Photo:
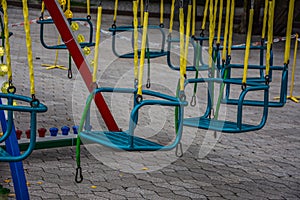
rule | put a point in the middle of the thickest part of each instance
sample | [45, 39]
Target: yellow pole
[161, 12]
[88, 8]
[211, 34]
[28, 44]
[7, 45]
[289, 32]
[115, 11]
[215, 10]
[187, 37]
[143, 48]
[270, 36]
[181, 30]
[226, 30]
[291, 97]
[172, 16]
[136, 35]
[205, 14]
[265, 20]
[142, 11]
[231, 27]
[98, 32]
[246, 59]
[220, 22]
[194, 18]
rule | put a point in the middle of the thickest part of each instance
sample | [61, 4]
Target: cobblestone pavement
[262, 164]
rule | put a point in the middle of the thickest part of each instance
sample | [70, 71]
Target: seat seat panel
[218, 125]
[119, 140]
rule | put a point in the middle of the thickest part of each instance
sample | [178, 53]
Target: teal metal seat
[197, 43]
[44, 22]
[127, 140]
[238, 81]
[152, 52]
[33, 107]
[237, 126]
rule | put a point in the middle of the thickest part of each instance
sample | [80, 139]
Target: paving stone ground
[263, 164]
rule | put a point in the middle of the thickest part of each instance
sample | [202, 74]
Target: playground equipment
[291, 96]
[151, 53]
[34, 106]
[283, 69]
[31, 105]
[210, 119]
[195, 41]
[74, 23]
[254, 46]
[127, 140]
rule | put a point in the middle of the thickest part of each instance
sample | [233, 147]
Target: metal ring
[161, 25]
[88, 17]
[139, 98]
[34, 102]
[202, 33]
[114, 25]
[244, 86]
[267, 79]
[182, 96]
[11, 89]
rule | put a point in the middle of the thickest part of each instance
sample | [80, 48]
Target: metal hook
[182, 96]
[78, 176]
[70, 74]
[146, 5]
[193, 101]
[148, 85]
[181, 3]
[252, 4]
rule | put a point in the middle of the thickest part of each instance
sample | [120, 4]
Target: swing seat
[219, 125]
[85, 21]
[34, 108]
[205, 122]
[238, 81]
[202, 66]
[126, 140]
[120, 140]
[243, 47]
[152, 53]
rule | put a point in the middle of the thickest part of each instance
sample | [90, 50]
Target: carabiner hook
[70, 74]
[193, 101]
[78, 176]
[148, 85]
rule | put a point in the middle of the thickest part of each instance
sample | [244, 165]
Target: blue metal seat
[194, 41]
[43, 22]
[126, 140]
[237, 126]
[33, 108]
[238, 81]
[152, 53]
